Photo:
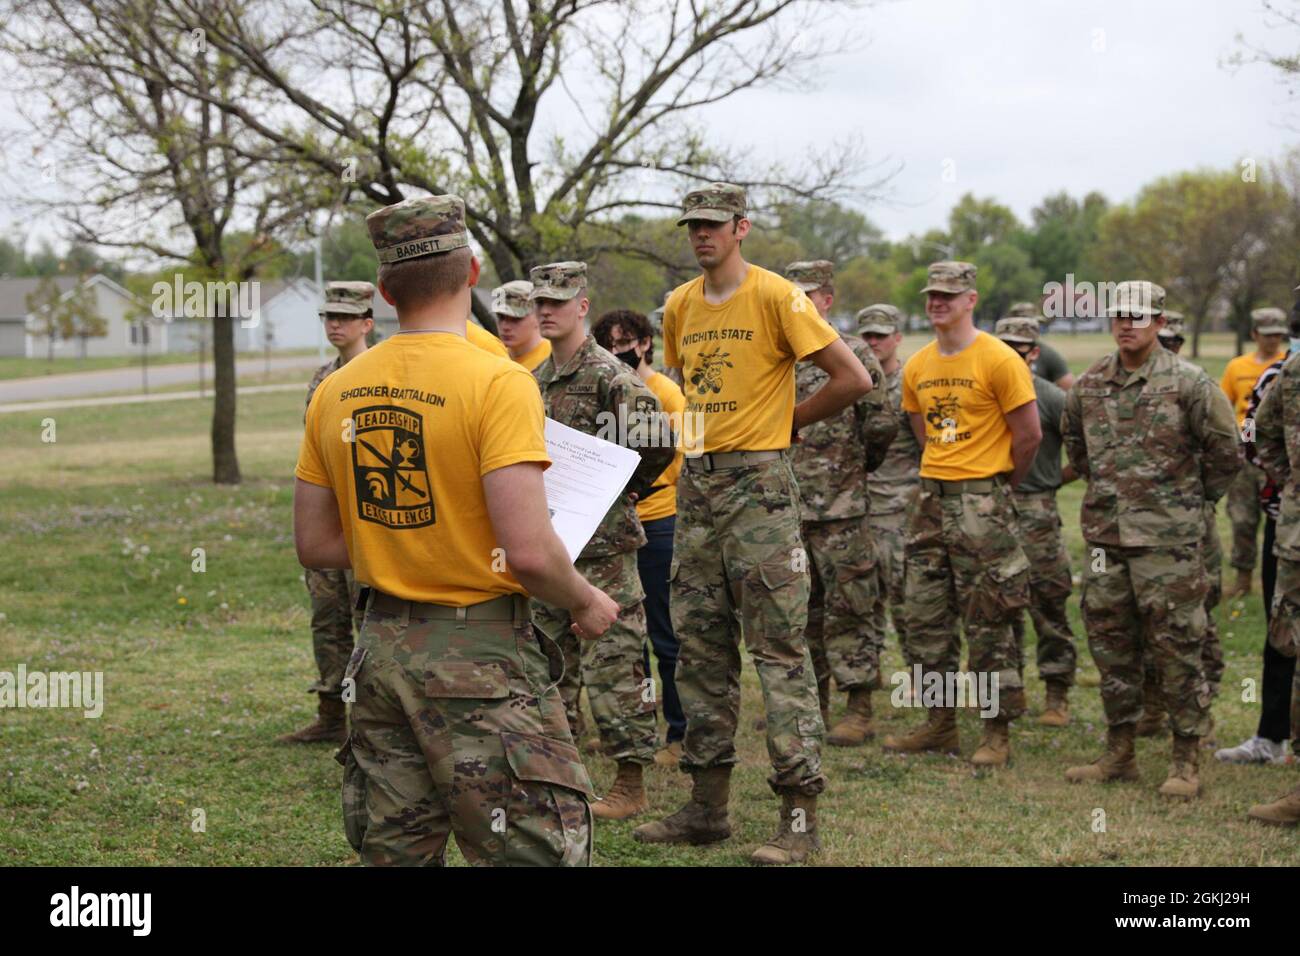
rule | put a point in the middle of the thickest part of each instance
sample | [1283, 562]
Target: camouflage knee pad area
[845, 611]
[333, 617]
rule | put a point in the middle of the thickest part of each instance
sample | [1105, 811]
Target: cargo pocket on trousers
[467, 680]
[783, 591]
[355, 815]
[860, 582]
[1000, 592]
[549, 780]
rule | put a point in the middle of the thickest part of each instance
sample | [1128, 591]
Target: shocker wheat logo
[389, 466]
[942, 417]
[708, 377]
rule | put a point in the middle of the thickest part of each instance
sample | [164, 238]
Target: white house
[112, 302]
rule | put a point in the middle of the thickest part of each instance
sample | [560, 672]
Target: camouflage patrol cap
[1173, 327]
[1137, 297]
[422, 226]
[558, 280]
[1017, 328]
[716, 202]
[811, 276]
[879, 319]
[1024, 310]
[951, 277]
[512, 299]
[1268, 321]
[347, 298]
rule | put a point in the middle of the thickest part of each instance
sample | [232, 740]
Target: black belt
[726, 460]
[978, 486]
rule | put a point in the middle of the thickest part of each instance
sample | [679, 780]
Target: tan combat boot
[669, 755]
[1056, 711]
[626, 798]
[1182, 780]
[856, 727]
[796, 833]
[939, 733]
[331, 725]
[1152, 722]
[702, 820]
[1279, 813]
[1117, 763]
[1240, 587]
[995, 747]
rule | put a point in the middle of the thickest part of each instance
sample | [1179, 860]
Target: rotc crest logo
[390, 468]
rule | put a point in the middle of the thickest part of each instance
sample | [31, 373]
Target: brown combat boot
[939, 733]
[1056, 711]
[702, 820]
[626, 798]
[1240, 587]
[1279, 813]
[1117, 763]
[331, 725]
[1182, 781]
[669, 755]
[995, 747]
[1152, 722]
[856, 726]
[796, 833]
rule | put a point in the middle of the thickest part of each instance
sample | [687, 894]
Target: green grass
[203, 670]
[11, 367]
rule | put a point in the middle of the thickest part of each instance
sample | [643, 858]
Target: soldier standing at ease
[517, 322]
[1268, 330]
[736, 332]
[421, 467]
[1050, 364]
[893, 485]
[585, 387]
[348, 316]
[1050, 583]
[1277, 445]
[1154, 439]
[845, 631]
[971, 403]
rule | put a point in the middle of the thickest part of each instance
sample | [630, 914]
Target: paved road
[106, 381]
[133, 399]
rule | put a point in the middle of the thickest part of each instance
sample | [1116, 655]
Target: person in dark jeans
[630, 337]
[1269, 743]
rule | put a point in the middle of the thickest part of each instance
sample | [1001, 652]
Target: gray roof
[14, 293]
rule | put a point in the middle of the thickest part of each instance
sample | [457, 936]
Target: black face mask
[628, 358]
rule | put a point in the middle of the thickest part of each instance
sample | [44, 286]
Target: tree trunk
[225, 462]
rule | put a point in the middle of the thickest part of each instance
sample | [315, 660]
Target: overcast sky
[1021, 98]
[1014, 93]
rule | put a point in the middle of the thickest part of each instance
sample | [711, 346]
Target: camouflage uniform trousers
[333, 615]
[457, 728]
[1245, 515]
[845, 637]
[613, 667]
[735, 574]
[1050, 585]
[965, 568]
[890, 533]
[1284, 631]
[1211, 648]
[1140, 601]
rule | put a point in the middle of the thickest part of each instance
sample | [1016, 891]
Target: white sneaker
[1254, 750]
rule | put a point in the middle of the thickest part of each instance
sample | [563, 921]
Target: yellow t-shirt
[738, 359]
[430, 415]
[477, 335]
[663, 502]
[963, 398]
[530, 360]
[1239, 377]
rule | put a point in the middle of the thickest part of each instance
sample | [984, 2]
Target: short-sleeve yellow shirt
[738, 358]
[404, 434]
[535, 356]
[964, 399]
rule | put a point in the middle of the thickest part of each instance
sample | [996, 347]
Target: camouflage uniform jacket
[895, 482]
[597, 394]
[322, 373]
[833, 456]
[1153, 444]
[1277, 448]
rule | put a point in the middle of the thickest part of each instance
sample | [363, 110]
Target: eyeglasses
[622, 345]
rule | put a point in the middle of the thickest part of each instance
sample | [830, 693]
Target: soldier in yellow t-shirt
[1268, 328]
[629, 337]
[421, 469]
[970, 399]
[517, 320]
[735, 334]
